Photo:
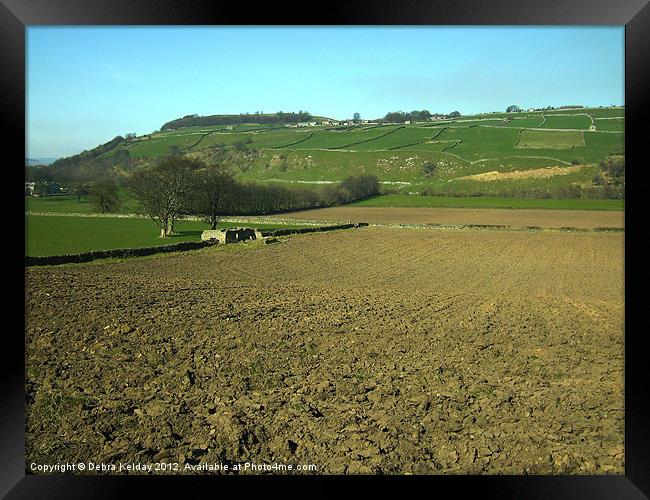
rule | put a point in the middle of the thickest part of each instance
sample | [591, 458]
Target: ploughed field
[374, 350]
[544, 218]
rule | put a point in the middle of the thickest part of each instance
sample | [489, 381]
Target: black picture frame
[15, 15]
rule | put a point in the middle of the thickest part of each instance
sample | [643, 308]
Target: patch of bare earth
[581, 219]
[373, 350]
[536, 173]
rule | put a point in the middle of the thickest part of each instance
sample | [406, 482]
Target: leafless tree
[163, 190]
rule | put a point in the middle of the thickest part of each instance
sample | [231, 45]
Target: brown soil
[372, 350]
[536, 173]
[582, 219]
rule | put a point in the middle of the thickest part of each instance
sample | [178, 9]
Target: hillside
[486, 154]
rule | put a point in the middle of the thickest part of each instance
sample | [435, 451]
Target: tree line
[415, 116]
[278, 118]
[176, 186]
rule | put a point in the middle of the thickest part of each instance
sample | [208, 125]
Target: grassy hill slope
[398, 154]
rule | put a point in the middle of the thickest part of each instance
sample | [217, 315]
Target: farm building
[231, 235]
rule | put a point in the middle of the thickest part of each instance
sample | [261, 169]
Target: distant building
[29, 188]
[407, 122]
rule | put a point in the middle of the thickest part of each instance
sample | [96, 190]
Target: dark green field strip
[418, 201]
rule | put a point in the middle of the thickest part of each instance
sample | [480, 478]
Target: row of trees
[86, 155]
[278, 118]
[415, 116]
[177, 186]
[516, 109]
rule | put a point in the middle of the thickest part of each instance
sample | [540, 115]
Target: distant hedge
[116, 253]
[204, 121]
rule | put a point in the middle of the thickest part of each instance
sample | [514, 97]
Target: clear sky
[85, 85]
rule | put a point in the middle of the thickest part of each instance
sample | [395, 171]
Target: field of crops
[373, 350]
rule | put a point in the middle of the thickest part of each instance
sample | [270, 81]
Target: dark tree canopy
[278, 118]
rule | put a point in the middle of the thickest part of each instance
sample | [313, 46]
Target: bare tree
[211, 186]
[162, 190]
[103, 193]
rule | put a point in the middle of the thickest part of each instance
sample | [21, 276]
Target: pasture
[397, 154]
[58, 235]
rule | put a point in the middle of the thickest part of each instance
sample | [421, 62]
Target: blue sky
[85, 85]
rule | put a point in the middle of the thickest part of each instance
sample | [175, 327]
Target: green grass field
[334, 139]
[69, 204]
[405, 200]
[580, 122]
[526, 121]
[57, 235]
[551, 139]
[396, 154]
[610, 124]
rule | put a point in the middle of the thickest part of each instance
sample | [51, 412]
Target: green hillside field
[398, 153]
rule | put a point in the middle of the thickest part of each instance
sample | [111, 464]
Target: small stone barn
[231, 235]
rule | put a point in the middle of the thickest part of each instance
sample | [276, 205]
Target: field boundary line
[500, 227]
[444, 150]
[421, 142]
[367, 140]
[49, 260]
[311, 134]
[197, 142]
